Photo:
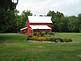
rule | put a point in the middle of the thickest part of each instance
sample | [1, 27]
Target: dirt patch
[37, 47]
[41, 42]
[79, 55]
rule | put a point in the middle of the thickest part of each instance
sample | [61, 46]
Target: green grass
[12, 37]
[14, 48]
[74, 36]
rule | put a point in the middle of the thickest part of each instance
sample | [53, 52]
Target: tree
[7, 16]
[73, 24]
[57, 20]
[62, 23]
[24, 17]
[79, 19]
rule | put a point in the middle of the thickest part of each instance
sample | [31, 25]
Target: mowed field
[13, 47]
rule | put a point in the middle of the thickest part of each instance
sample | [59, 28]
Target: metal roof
[39, 19]
[23, 28]
[40, 27]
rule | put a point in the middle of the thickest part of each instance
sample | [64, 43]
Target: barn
[37, 24]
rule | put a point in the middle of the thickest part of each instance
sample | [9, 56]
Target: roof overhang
[23, 28]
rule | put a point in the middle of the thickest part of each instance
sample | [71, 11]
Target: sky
[42, 7]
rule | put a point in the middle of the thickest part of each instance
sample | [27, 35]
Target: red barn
[37, 24]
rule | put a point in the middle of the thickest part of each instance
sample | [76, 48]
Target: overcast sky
[41, 7]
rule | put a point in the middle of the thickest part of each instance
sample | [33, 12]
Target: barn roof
[23, 28]
[40, 27]
[39, 19]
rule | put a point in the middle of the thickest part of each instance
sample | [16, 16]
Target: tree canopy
[63, 23]
[7, 16]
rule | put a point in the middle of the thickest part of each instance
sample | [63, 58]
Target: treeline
[10, 21]
[63, 23]
[60, 23]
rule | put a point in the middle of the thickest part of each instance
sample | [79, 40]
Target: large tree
[73, 24]
[62, 23]
[24, 17]
[79, 19]
[57, 18]
[7, 16]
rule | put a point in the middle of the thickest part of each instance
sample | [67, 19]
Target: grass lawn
[14, 48]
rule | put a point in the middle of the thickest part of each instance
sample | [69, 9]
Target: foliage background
[10, 21]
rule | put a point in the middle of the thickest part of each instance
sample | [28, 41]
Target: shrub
[50, 34]
[35, 34]
[29, 37]
[51, 39]
[39, 38]
[67, 40]
[46, 33]
[42, 34]
[58, 40]
[45, 38]
[39, 33]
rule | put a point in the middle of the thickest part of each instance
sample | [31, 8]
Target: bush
[35, 34]
[51, 39]
[29, 37]
[45, 38]
[51, 33]
[67, 40]
[58, 40]
[39, 38]
[39, 33]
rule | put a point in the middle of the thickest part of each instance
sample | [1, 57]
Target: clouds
[68, 7]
